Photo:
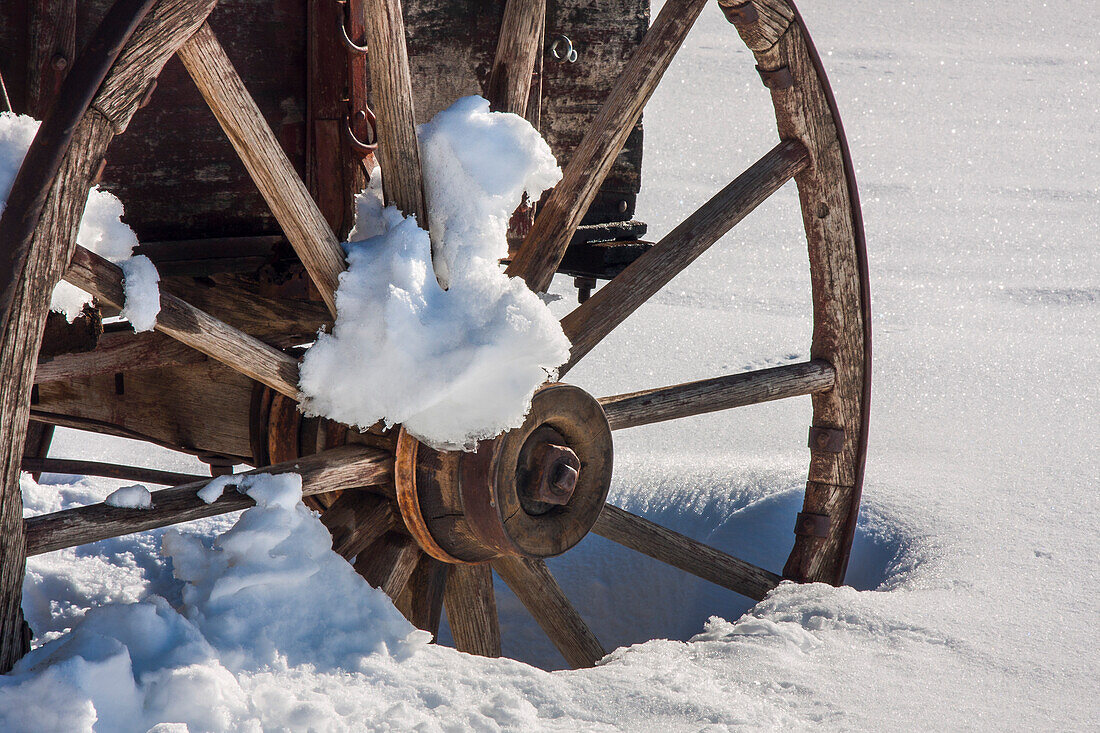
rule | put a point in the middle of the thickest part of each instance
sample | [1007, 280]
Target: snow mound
[101, 230]
[255, 593]
[453, 366]
[269, 594]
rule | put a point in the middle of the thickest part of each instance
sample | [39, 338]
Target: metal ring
[562, 49]
[358, 145]
[343, 34]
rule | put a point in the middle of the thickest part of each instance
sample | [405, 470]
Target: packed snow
[101, 230]
[974, 597]
[452, 366]
[134, 496]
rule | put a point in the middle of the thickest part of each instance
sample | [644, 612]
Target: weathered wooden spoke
[719, 393]
[472, 610]
[391, 88]
[691, 556]
[545, 244]
[356, 520]
[189, 325]
[389, 562]
[518, 46]
[259, 150]
[349, 467]
[594, 319]
[70, 467]
[421, 600]
[536, 588]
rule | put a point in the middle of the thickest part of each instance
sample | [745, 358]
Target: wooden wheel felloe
[429, 527]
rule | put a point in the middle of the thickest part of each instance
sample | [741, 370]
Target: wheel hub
[534, 491]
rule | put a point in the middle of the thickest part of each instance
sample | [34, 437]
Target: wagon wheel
[433, 524]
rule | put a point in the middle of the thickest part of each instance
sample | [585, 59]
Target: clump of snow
[130, 497]
[458, 365]
[101, 231]
[213, 490]
[140, 278]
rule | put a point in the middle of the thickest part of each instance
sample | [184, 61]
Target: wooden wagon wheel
[431, 525]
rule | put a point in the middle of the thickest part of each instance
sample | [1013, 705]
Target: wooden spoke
[684, 553]
[71, 467]
[391, 89]
[719, 393]
[536, 588]
[356, 520]
[545, 244]
[518, 47]
[472, 610]
[421, 600]
[589, 323]
[117, 353]
[289, 200]
[388, 563]
[199, 330]
[349, 467]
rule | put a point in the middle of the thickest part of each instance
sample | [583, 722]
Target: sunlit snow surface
[974, 131]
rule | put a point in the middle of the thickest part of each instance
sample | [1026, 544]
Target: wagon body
[179, 176]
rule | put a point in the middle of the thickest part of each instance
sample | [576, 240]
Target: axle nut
[557, 470]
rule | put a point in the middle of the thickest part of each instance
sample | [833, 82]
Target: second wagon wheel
[438, 524]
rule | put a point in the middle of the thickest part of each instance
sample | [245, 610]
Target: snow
[101, 230]
[140, 278]
[213, 490]
[130, 497]
[458, 365]
[974, 601]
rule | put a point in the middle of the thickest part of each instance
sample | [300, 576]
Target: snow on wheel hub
[534, 492]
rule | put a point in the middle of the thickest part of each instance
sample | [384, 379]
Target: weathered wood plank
[191, 326]
[71, 467]
[720, 393]
[673, 548]
[195, 408]
[472, 610]
[53, 50]
[348, 467]
[594, 319]
[518, 46]
[760, 22]
[391, 90]
[536, 588]
[302, 222]
[118, 352]
[545, 244]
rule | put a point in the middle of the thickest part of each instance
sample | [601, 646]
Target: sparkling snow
[975, 599]
[458, 365]
[101, 230]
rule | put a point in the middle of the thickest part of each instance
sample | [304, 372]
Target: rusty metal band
[408, 501]
[35, 178]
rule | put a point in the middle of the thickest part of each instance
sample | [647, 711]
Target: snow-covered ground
[976, 134]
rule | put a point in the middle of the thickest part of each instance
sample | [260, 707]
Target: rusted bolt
[557, 470]
[59, 62]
